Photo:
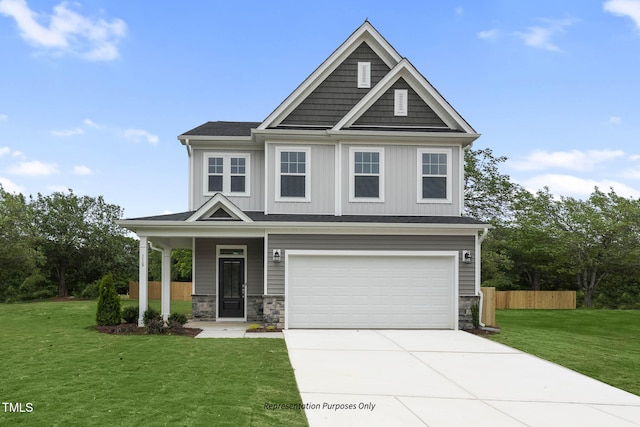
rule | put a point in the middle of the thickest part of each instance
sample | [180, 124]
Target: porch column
[165, 296]
[143, 280]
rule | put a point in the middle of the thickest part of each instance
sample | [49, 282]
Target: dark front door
[230, 292]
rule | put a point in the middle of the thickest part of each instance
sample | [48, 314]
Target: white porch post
[166, 283]
[143, 281]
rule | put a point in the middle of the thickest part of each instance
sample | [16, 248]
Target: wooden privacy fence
[180, 291]
[488, 315]
[562, 300]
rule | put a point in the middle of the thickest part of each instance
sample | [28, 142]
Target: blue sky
[94, 93]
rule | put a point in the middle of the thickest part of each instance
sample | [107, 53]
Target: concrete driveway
[443, 378]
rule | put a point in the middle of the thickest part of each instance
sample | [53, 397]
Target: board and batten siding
[275, 273]
[206, 269]
[254, 202]
[401, 183]
[322, 180]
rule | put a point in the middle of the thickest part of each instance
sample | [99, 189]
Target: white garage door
[368, 290]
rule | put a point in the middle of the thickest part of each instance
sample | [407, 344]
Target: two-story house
[342, 209]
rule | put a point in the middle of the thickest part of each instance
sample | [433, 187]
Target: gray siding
[275, 274]
[255, 202]
[206, 268]
[322, 182]
[339, 92]
[401, 184]
[381, 113]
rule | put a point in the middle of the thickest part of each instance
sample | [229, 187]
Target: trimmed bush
[475, 315]
[130, 314]
[108, 312]
[176, 319]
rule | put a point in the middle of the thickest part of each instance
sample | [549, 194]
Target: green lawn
[603, 344]
[73, 375]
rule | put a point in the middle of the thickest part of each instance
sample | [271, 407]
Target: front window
[434, 168]
[227, 174]
[293, 174]
[367, 182]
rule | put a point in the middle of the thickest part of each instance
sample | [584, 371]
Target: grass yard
[73, 375]
[603, 344]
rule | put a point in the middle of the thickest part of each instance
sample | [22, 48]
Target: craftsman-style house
[342, 209]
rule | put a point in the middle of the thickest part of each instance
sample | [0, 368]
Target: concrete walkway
[443, 378]
[228, 330]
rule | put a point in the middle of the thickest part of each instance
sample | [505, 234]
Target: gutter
[483, 236]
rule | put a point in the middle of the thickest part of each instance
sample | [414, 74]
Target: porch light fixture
[276, 255]
[466, 257]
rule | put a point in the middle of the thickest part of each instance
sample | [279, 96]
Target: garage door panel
[354, 291]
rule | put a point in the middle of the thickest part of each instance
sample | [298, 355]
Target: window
[364, 75]
[400, 102]
[292, 180]
[227, 174]
[366, 174]
[434, 175]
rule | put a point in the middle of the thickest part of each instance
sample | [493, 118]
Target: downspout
[190, 155]
[483, 236]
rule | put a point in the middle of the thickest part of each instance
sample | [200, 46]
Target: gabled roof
[209, 211]
[365, 33]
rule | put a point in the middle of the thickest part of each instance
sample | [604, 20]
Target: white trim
[461, 176]
[364, 75]
[193, 266]
[449, 176]
[266, 262]
[455, 259]
[338, 180]
[380, 174]
[404, 69]
[265, 178]
[306, 174]
[244, 257]
[226, 174]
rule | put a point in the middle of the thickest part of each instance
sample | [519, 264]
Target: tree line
[62, 244]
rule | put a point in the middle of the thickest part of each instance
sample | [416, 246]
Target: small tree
[108, 303]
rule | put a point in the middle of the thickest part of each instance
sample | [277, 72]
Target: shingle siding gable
[381, 113]
[339, 92]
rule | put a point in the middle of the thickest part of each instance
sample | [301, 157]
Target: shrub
[176, 320]
[130, 314]
[153, 321]
[108, 312]
[91, 291]
[253, 327]
[475, 315]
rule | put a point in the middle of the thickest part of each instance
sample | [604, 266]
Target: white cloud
[541, 36]
[10, 186]
[91, 123]
[34, 168]
[634, 157]
[139, 135]
[491, 34]
[614, 120]
[3, 117]
[571, 160]
[4, 151]
[67, 31]
[568, 185]
[628, 8]
[82, 170]
[67, 132]
[459, 10]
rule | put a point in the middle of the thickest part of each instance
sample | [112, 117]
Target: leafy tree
[77, 231]
[488, 194]
[108, 311]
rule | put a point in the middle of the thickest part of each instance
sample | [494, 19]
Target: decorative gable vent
[221, 214]
[364, 75]
[400, 102]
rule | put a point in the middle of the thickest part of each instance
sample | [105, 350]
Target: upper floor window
[434, 175]
[366, 174]
[292, 178]
[227, 174]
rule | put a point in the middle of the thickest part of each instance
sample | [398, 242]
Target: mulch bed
[133, 329]
[264, 330]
